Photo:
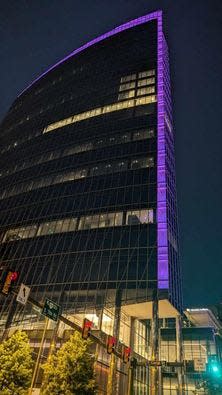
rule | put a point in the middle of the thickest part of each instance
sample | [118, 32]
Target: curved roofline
[125, 26]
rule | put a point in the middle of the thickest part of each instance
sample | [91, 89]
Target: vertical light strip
[162, 242]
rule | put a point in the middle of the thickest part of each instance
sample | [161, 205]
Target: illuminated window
[146, 73]
[147, 81]
[102, 110]
[129, 85]
[145, 100]
[146, 91]
[101, 220]
[126, 95]
[137, 217]
[89, 222]
[128, 78]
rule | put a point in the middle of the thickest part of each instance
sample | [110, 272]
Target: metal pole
[111, 387]
[155, 346]
[130, 368]
[179, 348]
[38, 357]
[53, 341]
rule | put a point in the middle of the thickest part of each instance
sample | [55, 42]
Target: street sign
[23, 294]
[51, 310]
[200, 364]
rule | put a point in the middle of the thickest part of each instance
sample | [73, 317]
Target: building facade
[88, 200]
[88, 195]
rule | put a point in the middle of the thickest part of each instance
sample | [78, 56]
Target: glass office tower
[88, 213]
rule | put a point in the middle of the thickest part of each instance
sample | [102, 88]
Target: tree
[15, 365]
[70, 370]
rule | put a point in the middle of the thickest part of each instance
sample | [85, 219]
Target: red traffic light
[86, 328]
[14, 276]
[11, 277]
[126, 351]
[111, 341]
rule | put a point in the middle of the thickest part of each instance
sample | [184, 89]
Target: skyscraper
[88, 194]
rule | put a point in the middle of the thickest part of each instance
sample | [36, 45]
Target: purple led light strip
[162, 238]
[162, 242]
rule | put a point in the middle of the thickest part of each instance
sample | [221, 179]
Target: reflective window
[143, 134]
[98, 169]
[139, 163]
[136, 217]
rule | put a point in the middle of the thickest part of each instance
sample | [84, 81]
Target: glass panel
[58, 227]
[118, 219]
[72, 225]
[146, 73]
[143, 134]
[124, 87]
[103, 221]
[142, 163]
[121, 166]
[91, 222]
[65, 225]
[128, 78]
[146, 81]
[137, 217]
[59, 179]
[43, 229]
[11, 234]
[126, 95]
[146, 91]
[108, 168]
[125, 137]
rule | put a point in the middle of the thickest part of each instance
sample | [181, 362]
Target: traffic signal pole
[111, 387]
[34, 375]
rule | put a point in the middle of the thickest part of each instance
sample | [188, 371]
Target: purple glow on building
[162, 228]
[162, 234]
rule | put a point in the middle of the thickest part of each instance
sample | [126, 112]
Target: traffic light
[126, 351]
[111, 341]
[215, 369]
[86, 329]
[10, 278]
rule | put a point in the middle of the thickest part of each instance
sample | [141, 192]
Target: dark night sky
[36, 34]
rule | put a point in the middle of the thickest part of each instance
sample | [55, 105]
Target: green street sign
[51, 310]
